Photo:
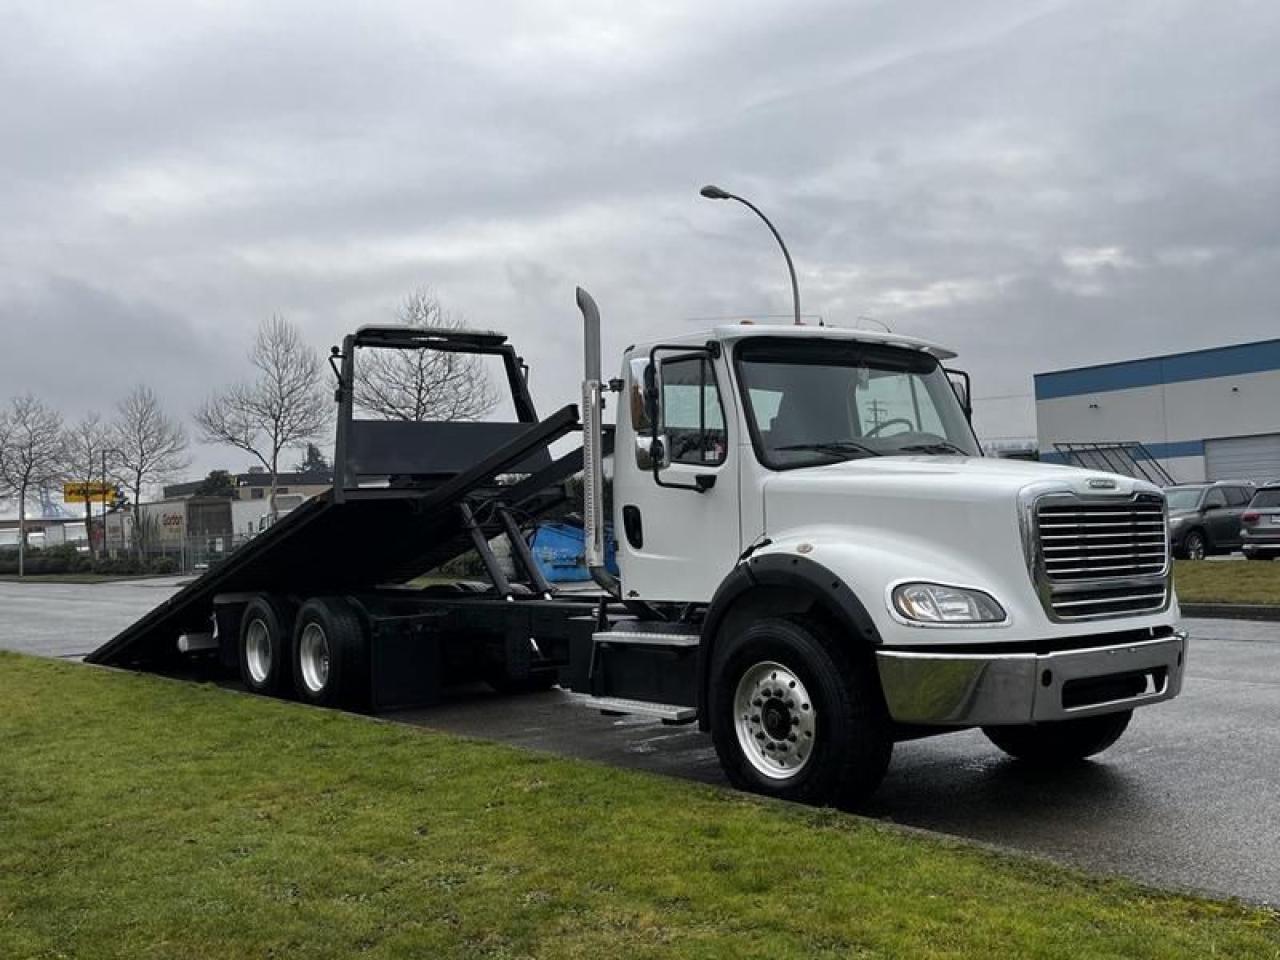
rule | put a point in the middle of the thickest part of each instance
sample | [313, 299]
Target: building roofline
[1235, 359]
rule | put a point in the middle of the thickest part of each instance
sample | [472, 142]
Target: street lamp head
[712, 192]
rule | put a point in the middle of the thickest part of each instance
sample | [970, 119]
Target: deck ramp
[347, 540]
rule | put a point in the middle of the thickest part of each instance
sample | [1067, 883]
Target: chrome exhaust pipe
[592, 445]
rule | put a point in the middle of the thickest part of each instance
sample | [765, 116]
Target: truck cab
[818, 496]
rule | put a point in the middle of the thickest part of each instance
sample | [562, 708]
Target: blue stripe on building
[1230, 361]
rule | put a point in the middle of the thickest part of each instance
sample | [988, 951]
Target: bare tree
[285, 407]
[424, 384]
[148, 447]
[33, 457]
[88, 445]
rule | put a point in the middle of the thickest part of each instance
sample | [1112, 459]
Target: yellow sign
[82, 492]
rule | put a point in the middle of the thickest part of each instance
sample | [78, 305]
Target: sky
[1035, 184]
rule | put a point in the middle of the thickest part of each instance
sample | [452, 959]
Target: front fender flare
[785, 570]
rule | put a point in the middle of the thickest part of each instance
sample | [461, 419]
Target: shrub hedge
[67, 559]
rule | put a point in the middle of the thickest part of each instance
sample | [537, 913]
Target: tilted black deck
[348, 540]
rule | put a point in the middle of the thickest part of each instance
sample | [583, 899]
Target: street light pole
[712, 192]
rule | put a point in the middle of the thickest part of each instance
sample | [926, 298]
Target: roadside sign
[84, 492]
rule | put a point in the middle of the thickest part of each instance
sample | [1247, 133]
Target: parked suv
[1260, 524]
[1204, 518]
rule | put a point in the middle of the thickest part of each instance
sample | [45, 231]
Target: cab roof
[730, 332]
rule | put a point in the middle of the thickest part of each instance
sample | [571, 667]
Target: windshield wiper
[836, 447]
[937, 446]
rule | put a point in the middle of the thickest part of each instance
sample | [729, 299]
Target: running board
[617, 706]
[647, 639]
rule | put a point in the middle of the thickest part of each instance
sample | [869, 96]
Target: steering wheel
[875, 431]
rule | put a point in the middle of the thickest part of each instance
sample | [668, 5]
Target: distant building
[45, 532]
[256, 485]
[1204, 415]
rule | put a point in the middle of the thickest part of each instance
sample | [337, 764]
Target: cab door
[676, 527]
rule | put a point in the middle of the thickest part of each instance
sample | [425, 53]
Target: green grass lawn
[142, 818]
[1227, 581]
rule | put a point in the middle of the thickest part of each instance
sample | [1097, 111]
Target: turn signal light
[1250, 517]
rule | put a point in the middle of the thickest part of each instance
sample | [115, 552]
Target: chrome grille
[1102, 559]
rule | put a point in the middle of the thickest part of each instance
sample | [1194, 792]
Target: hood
[950, 478]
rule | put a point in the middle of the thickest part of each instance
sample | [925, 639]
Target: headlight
[935, 603]
[1175, 522]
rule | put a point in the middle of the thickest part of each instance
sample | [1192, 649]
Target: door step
[618, 706]
[647, 638]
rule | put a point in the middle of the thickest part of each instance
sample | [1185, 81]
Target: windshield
[819, 401]
[1185, 498]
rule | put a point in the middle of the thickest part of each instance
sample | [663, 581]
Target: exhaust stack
[592, 445]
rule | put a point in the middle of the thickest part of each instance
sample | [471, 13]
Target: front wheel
[1061, 741]
[795, 715]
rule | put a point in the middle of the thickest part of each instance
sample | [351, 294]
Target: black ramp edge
[324, 546]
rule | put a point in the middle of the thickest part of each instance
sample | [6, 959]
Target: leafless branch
[33, 457]
[424, 384]
[147, 445]
[286, 406]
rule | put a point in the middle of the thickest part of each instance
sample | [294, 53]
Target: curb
[1232, 611]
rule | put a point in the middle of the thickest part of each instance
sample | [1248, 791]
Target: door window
[1215, 499]
[1237, 496]
[692, 415]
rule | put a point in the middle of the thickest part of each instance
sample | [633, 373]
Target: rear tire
[797, 716]
[331, 655]
[1063, 741]
[263, 646]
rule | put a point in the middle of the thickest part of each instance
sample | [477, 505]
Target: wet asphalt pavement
[1189, 798]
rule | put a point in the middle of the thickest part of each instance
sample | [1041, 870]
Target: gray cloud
[1036, 184]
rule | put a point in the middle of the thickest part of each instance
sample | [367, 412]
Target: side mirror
[963, 390]
[651, 453]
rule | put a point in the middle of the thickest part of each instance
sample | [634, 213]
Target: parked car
[1204, 518]
[1260, 524]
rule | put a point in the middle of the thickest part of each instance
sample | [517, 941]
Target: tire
[1063, 741]
[826, 696]
[1258, 556]
[331, 655]
[263, 646]
[1194, 545]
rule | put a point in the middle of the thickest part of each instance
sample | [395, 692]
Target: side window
[1237, 496]
[1214, 499]
[693, 418]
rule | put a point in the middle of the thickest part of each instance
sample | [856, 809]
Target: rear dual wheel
[265, 629]
[330, 654]
[318, 652]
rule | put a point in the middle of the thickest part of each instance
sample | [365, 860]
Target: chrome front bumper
[989, 689]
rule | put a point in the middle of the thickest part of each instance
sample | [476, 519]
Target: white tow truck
[817, 562]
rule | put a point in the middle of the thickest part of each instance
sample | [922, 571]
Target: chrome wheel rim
[257, 652]
[313, 658]
[776, 721]
[1195, 547]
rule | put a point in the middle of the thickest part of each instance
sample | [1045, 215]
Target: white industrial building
[1205, 415]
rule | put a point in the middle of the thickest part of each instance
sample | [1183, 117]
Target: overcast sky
[1036, 184]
